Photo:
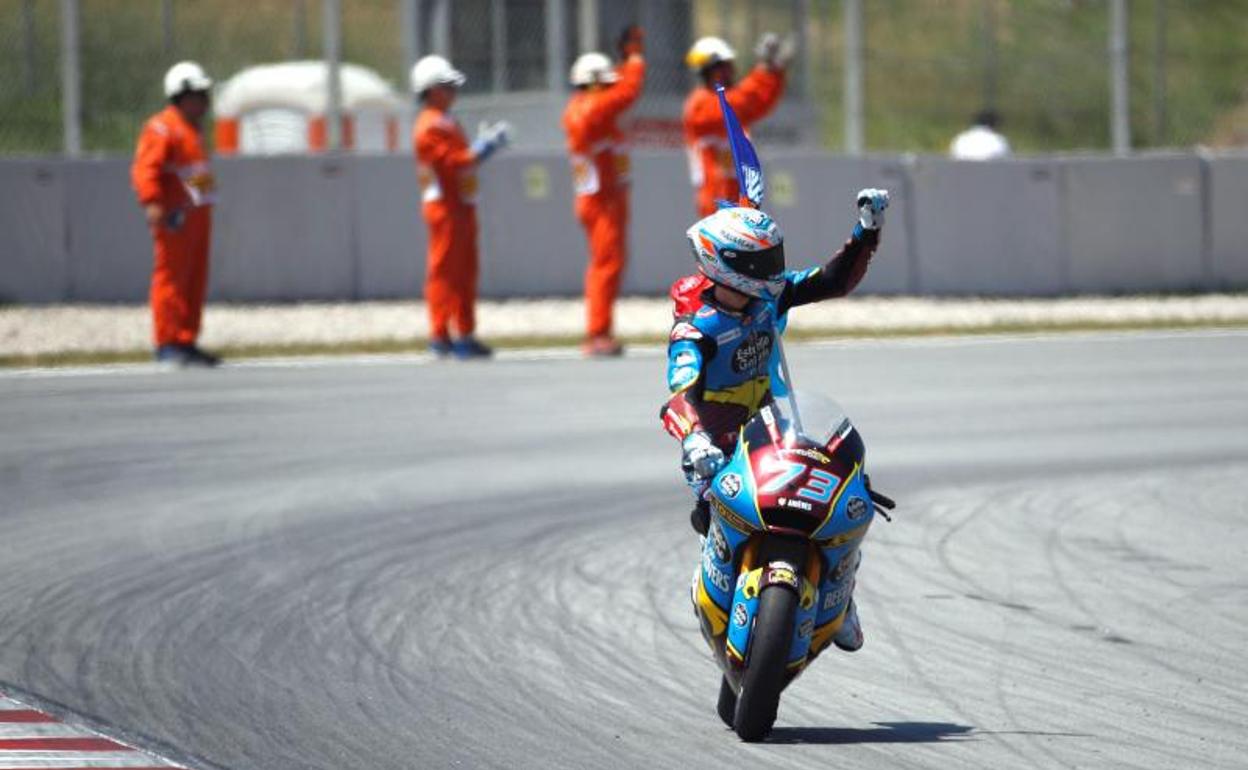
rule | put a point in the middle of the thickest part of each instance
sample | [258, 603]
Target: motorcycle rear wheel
[764, 672]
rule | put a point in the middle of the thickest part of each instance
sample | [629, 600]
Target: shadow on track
[885, 732]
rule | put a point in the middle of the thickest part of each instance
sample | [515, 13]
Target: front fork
[788, 564]
[769, 562]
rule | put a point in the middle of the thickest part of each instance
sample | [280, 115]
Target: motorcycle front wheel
[727, 706]
[764, 670]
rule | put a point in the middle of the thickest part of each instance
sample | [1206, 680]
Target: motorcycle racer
[722, 352]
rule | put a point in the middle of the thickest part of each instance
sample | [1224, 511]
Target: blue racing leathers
[721, 364]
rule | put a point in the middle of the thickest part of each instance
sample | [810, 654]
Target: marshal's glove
[871, 205]
[700, 458]
[491, 137]
[631, 41]
[775, 52]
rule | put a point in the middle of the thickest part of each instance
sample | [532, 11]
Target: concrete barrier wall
[1227, 184]
[315, 228]
[110, 253]
[1135, 226]
[989, 228]
[34, 254]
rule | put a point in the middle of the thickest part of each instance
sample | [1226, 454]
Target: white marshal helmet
[591, 68]
[707, 52]
[741, 248]
[184, 77]
[433, 71]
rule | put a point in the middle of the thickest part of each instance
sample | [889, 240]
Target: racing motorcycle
[788, 514]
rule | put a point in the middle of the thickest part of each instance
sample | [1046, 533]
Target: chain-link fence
[1044, 66]
[927, 65]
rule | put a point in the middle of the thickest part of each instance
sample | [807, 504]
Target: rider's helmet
[741, 248]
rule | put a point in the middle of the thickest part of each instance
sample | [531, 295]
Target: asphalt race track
[371, 565]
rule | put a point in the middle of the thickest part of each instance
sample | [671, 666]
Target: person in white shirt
[981, 141]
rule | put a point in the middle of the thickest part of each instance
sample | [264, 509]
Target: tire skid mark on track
[1051, 514]
[1131, 690]
[1150, 573]
[279, 592]
[1075, 678]
[911, 657]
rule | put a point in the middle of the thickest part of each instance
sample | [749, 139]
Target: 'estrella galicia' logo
[753, 353]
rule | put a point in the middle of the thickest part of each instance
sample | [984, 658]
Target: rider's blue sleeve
[684, 365]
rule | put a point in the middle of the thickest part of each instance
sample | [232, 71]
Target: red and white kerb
[31, 739]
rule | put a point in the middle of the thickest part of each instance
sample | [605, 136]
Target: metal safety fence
[871, 75]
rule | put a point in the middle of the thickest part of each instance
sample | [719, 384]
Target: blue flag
[749, 169]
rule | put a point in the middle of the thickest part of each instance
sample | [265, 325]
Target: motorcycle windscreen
[800, 419]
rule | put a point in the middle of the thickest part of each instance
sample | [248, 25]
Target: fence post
[587, 25]
[331, 22]
[1120, 107]
[28, 46]
[71, 79]
[556, 46]
[805, 61]
[853, 77]
[498, 45]
[1159, 73]
[440, 28]
[409, 34]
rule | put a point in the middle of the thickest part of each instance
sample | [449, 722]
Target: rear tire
[764, 672]
[727, 706]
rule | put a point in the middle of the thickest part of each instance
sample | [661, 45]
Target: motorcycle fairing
[714, 590]
[745, 607]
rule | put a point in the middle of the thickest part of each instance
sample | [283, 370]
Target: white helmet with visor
[741, 248]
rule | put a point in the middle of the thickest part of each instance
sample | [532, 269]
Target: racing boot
[849, 636]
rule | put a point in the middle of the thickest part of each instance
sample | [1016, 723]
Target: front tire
[764, 673]
[727, 706]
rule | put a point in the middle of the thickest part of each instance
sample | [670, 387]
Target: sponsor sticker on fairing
[719, 578]
[791, 502]
[856, 508]
[719, 543]
[778, 572]
[730, 485]
[834, 595]
[807, 626]
[740, 616]
[810, 454]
